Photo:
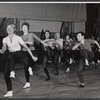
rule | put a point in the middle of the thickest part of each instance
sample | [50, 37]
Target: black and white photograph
[49, 50]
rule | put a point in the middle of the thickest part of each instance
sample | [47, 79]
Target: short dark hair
[82, 33]
[48, 32]
[27, 24]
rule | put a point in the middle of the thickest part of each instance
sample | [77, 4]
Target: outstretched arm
[58, 44]
[76, 46]
[38, 39]
[48, 40]
[25, 46]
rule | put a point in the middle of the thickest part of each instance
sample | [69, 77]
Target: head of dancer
[67, 37]
[80, 36]
[11, 29]
[25, 27]
[57, 35]
[47, 34]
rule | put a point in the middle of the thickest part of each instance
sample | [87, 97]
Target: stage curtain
[44, 11]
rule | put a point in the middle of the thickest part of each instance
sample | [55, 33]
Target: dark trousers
[3, 60]
[97, 56]
[27, 61]
[85, 54]
[12, 59]
[67, 56]
[76, 55]
[55, 58]
[52, 54]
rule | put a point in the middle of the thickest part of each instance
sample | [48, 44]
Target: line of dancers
[21, 48]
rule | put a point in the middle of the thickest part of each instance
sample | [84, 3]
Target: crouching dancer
[86, 54]
[13, 43]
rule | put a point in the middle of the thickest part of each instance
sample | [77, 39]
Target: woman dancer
[13, 43]
[27, 61]
[47, 52]
[52, 51]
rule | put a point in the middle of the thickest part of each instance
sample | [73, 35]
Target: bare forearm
[97, 44]
[30, 52]
[48, 40]
[76, 46]
[56, 43]
[3, 49]
[25, 46]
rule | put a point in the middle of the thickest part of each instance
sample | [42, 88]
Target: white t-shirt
[60, 41]
[15, 44]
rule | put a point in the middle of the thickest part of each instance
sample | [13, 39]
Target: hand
[34, 58]
[99, 50]
[1, 51]
[45, 44]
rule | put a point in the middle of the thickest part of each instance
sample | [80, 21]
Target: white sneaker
[67, 70]
[86, 62]
[12, 74]
[70, 62]
[27, 85]
[49, 61]
[30, 71]
[9, 94]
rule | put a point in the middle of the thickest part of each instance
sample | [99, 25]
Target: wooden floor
[62, 86]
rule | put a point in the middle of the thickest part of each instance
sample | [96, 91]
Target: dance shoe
[81, 86]
[47, 79]
[12, 74]
[67, 70]
[9, 94]
[30, 71]
[27, 85]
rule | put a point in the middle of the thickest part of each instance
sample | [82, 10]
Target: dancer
[47, 52]
[68, 43]
[13, 43]
[27, 61]
[58, 43]
[52, 51]
[86, 54]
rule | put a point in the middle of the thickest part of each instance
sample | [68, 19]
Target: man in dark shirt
[86, 54]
